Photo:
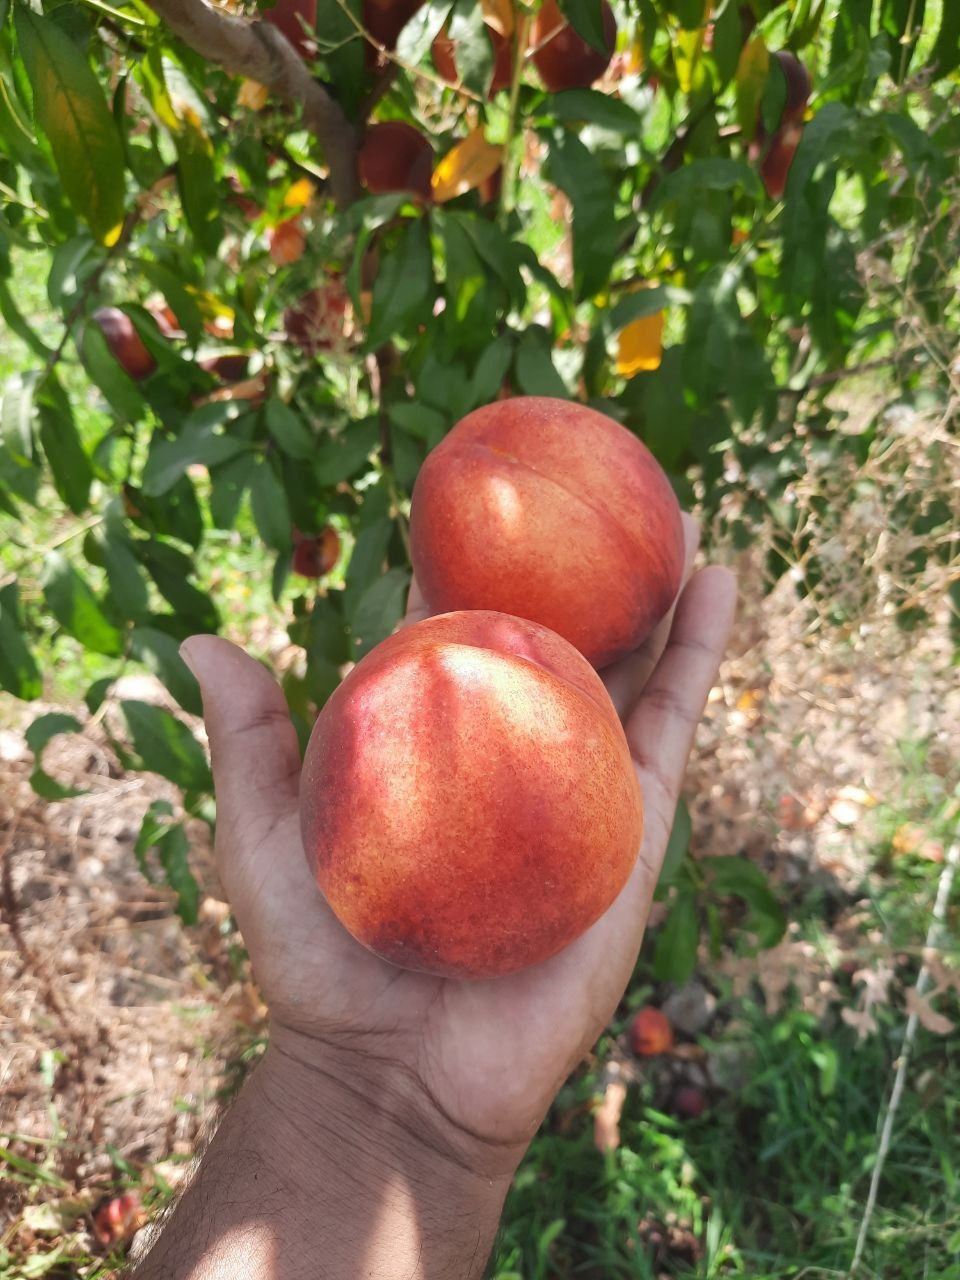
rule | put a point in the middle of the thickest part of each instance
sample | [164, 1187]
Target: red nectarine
[551, 511]
[468, 801]
[126, 345]
[563, 58]
[286, 16]
[444, 53]
[395, 156]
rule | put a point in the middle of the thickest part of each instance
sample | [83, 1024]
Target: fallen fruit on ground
[395, 156]
[296, 19]
[650, 1032]
[468, 802]
[314, 555]
[126, 345]
[563, 58]
[689, 1101]
[548, 510]
[286, 242]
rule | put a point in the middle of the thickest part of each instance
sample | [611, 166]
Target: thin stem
[521, 35]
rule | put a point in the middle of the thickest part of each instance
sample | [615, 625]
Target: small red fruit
[286, 242]
[563, 58]
[394, 156]
[118, 1218]
[775, 165]
[444, 51]
[229, 368]
[126, 345]
[651, 1033]
[315, 556]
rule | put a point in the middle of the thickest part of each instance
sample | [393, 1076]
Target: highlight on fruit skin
[125, 344]
[562, 57]
[549, 510]
[395, 156]
[469, 806]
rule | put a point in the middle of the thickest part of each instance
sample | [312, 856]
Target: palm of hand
[489, 1054]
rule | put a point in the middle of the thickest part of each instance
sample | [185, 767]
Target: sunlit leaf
[252, 95]
[465, 166]
[751, 76]
[640, 345]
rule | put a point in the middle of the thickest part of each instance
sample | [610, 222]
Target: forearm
[304, 1180]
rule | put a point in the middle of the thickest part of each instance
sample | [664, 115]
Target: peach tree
[285, 249]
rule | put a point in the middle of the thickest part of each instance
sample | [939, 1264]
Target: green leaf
[71, 468]
[744, 879]
[474, 50]
[713, 173]
[160, 653]
[202, 440]
[72, 111]
[403, 287]
[173, 847]
[125, 582]
[677, 845]
[196, 178]
[268, 502]
[420, 421]
[38, 735]
[119, 390]
[489, 373]
[580, 174]
[644, 302]
[675, 954]
[534, 368]
[228, 482]
[18, 325]
[70, 266]
[76, 608]
[170, 570]
[342, 455]
[366, 562]
[586, 18]
[289, 429]
[166, 746]
[590, 106]
[421, 31]
[753, 69]
[16, 418]
[379, 609]
[19, 674]
[945, 55]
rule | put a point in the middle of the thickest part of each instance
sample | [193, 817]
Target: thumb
[253, 745]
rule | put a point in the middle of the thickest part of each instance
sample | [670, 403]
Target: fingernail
[187, 659]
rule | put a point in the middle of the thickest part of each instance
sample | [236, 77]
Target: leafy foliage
[238, 352]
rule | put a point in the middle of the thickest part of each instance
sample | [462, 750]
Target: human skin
[379, 1134]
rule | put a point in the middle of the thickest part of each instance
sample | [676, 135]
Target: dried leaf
[751, 77]
[606, 1117]
[945, 977]
[465, 167]
[927, 1016]
[862, 1020]
[912, 838]
[499, 15]
[640, 345]
[252, 95]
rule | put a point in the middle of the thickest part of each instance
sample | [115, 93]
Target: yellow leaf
[299, 195]
[252, 95]
[464, 167]
[687, 50]
[640, 345]
[751, 78]
[499, 15]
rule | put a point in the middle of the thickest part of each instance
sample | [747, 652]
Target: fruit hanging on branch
[125, 344]
[314, 555]
[551, 511]
[563, 58]
[468, 802]
[384, 20]
[444, 54]
[395, 156]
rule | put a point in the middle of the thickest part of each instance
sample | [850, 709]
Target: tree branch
[258, 50]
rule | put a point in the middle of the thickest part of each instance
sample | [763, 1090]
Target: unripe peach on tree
[468, 802]
[548, 510]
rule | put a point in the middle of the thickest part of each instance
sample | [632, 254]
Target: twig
[519, 57]
[258, 51]
[837, 375]
[944, 887]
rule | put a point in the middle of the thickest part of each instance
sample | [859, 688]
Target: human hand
[379, 1135]
[480, 1061]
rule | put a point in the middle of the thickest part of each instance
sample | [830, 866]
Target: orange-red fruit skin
[468, 802]
[550, 511]
[651, 1033]
[563, 58]
[395, 156]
